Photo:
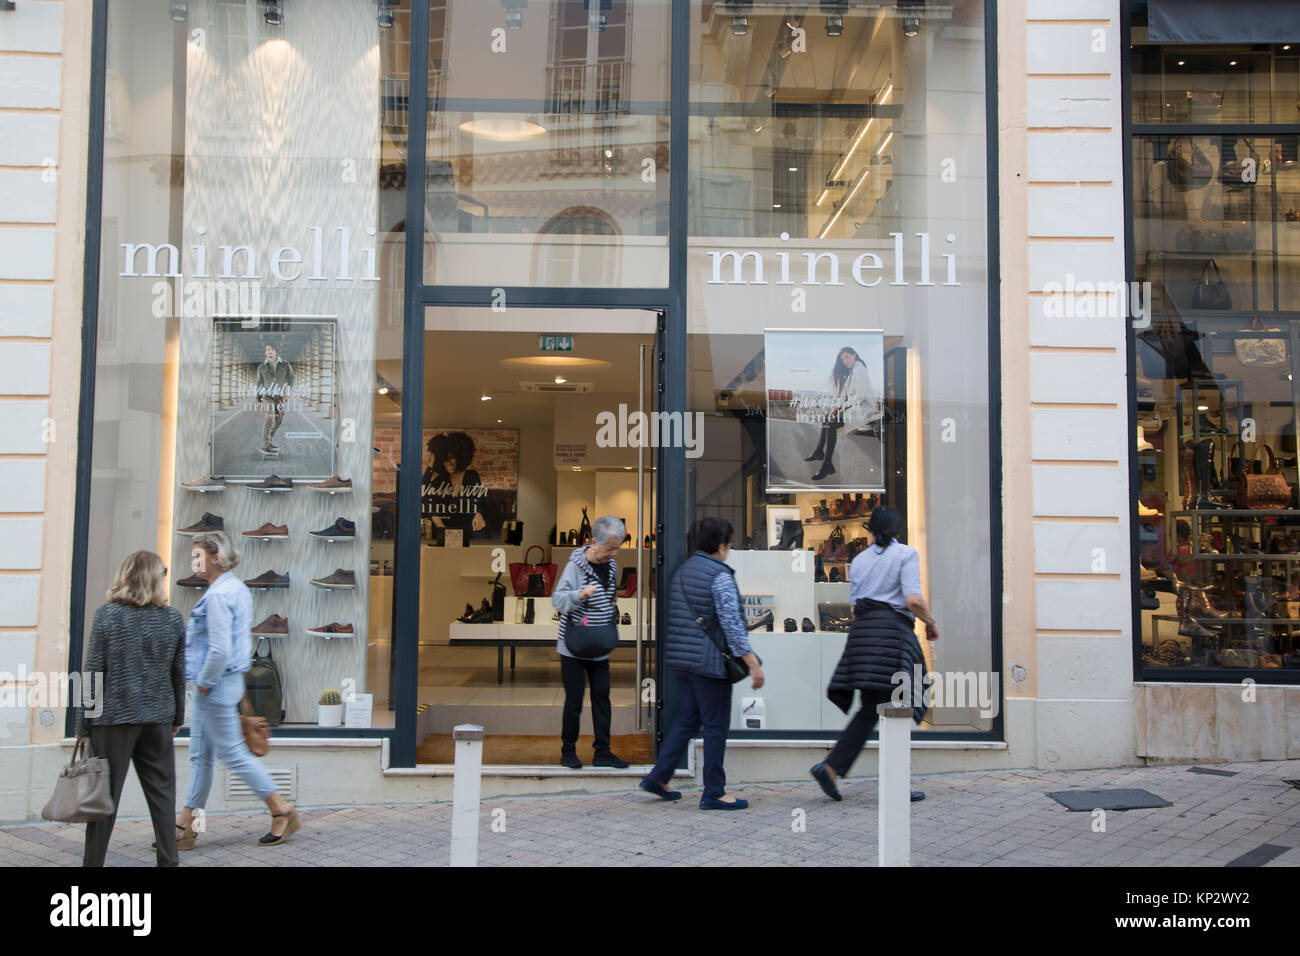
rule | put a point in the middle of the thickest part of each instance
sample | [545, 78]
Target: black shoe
[571, 761]
[791, 625]
[821, 773]
[609, 759]
[468, 616]
[808, 626]
[709, 803]
[815, 456]
[766, 622]
[918, 796]
[627, 619]
[827, 470]
[662, 792]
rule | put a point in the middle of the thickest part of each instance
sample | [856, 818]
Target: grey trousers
[149, 746]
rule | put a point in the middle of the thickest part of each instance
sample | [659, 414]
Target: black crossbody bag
[736, 669]
[587, 641]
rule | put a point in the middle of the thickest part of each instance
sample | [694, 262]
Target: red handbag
[532, 580]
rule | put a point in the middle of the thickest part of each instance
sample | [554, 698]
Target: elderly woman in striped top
[588, 584]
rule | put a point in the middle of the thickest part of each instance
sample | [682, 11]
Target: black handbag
[587, 641]
[1211, 293]
[734, 667]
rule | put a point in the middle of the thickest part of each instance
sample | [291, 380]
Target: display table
[503, 635]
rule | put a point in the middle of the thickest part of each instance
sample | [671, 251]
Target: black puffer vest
[686, 645]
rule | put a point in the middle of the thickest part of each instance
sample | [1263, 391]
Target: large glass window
[250, 333]
[548, 144]
[838, 327]
[1216, 233]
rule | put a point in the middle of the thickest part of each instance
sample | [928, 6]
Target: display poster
[824, 410]
[274, 397]
[470, 481]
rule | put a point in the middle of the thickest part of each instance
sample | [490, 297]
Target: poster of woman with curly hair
[824, 410]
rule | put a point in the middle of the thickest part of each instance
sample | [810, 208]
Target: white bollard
[894, 826]
[466, 791]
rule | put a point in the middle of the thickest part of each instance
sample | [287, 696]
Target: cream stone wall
[44, 76]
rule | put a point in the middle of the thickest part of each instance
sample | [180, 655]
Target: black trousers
[150, 747]
[854, 737]
[577, 674]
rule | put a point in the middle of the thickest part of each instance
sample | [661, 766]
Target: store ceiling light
[560, 380]
[739, 25]
[485, 397]
[385, 15]
[1232, 63]
[834, 25]
[1182, 62]
[180, 12]
[274, 13]
[502, 129]
[793, 169]
[911, 26]
[884, 142]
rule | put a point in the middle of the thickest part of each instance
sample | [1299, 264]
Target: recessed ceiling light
[1286, 46]
[776, 205]
[1202, 408]
[502, 129]
[1232, 63]
[485, 397]
[576, 468]
[1182, 62]
[627, 467]
[793, 169]
[383, 389]
[560, 380]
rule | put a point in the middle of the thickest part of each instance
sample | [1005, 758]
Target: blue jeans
[706, 701]
[215, 732]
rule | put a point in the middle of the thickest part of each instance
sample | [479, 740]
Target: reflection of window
[577, 247]
[587, 75]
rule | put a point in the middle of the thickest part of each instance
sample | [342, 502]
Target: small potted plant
[329, 710]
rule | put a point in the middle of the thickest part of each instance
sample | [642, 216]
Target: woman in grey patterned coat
[137, 644]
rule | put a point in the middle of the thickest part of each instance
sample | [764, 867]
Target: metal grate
[286, 781]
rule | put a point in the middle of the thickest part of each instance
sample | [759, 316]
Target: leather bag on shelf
[532, 580]
[1263, 487]
[1169, 350]
[1260, 352]
[1189, 167]
[83, 791]
[264, 687]
[1211, 293]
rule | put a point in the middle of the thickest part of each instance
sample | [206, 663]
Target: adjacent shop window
[535, 110]
[250, 324]
[1216, 231]
[838, 327]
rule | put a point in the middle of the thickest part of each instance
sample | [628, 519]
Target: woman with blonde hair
[137, 644]
[218, 651]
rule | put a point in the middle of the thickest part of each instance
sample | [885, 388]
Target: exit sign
[556, 343]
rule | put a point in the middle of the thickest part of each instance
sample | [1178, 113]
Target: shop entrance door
[536, 423]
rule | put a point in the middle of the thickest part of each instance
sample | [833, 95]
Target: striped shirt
[141, 653]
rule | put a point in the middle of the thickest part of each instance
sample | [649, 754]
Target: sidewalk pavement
[972, 819]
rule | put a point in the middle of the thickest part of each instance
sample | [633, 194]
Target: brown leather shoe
[272, 483]
[333, 485]
[273, 626]
[340, 580]
[269, 579]
[331, 630]
[269, 530]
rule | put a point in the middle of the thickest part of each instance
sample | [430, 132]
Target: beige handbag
[83, 792]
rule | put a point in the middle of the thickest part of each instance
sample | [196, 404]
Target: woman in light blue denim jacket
[218, 650]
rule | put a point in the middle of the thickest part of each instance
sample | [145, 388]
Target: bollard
[894, 804]
[466, 789]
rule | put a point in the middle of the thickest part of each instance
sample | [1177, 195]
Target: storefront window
[838, 327]
[250, 334]
[1216, 233]
[548, 144]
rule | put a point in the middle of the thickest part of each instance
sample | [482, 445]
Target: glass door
[537, 424]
